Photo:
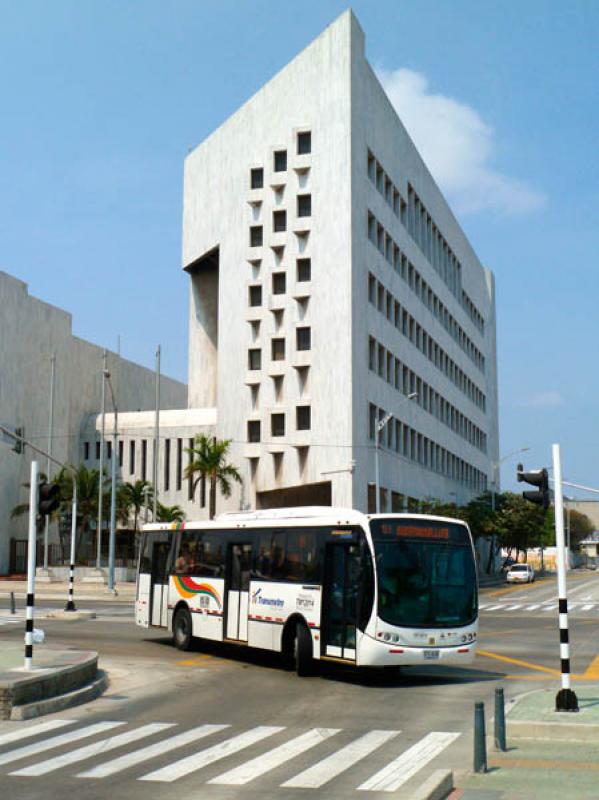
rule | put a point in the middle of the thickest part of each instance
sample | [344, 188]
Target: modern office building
[331, 285]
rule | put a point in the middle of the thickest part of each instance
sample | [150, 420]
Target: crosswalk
[574, 608]
[12, 619]
[372, 761]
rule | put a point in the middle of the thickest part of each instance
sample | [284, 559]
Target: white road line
[57, 741]
[495, 608]
[552, 607]
[338, 762]
[409, 763]
[205, 757]
[152, 751]
[34, 730]
[274, 758]
[513, 608]
[588, 607]
[533, 608]
[91, 750]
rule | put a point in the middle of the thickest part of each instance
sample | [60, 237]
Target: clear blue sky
[101, 100]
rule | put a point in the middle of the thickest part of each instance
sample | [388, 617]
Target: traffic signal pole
[33, 493]
[566, 699]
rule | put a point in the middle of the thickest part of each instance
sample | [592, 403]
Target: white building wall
[30, 331]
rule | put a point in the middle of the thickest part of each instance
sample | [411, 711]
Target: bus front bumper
[386, 654]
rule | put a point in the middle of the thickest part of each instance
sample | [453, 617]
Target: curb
[557, 731]
[62, 701]
[436, 787]
[70, 615]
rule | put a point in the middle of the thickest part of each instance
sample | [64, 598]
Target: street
[224, 721]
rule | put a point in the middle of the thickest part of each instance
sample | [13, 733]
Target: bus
[380, 590]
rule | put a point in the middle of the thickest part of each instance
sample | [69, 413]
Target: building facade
[31, 331]
[331, 285]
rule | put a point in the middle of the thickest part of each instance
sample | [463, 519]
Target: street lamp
[101, 469]
[377, 432]
[495, 466]
[111, 540]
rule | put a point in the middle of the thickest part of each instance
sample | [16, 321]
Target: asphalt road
[326, 736]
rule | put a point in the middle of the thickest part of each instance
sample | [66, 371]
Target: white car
[520, 573]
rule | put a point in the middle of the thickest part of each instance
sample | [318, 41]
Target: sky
[101, 100]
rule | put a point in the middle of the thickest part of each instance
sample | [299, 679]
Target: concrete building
[31, 331]
[331, 285]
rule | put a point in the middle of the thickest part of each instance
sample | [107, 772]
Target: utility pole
[101, 468]
[50, 431]
[111, 541]
[156, 436]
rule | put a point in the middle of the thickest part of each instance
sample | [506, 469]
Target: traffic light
[48, 498]
[537, 477]
[19, 445]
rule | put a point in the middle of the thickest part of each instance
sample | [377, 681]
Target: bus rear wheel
[302, 651]
[182, 629]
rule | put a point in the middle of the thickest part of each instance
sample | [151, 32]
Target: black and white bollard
[70, 606]
[500, 721]
[480, 740]
[33, 499]
[565, 699]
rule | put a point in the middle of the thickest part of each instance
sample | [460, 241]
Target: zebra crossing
[541, 607]
[12, 619]
[175, 755]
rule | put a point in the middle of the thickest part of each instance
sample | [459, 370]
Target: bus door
[159, 582]
[237, 591]
[340, 599]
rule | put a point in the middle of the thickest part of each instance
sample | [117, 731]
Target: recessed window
[304, 338]
[86, 451]
[303, 418]
[279, 283]
[278, 349]
[279, 221]
[304, 205]
[255, 358]
[277, 424]
[280, 160]
[97, 451]
[257, 178]
[304, 269]
[254, 430]
[255, 295]
[304, 143]
[256, 236]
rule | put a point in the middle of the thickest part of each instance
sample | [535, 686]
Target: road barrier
[500, 721]
[480, 738]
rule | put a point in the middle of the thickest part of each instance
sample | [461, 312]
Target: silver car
[520, 573]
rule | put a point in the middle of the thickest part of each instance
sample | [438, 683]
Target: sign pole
[33, 498]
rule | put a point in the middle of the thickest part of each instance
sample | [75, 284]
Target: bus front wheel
[182, 629]
[302, 651]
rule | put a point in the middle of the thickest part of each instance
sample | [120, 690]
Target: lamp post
[112, 535]
[495, 467]
[101, 468]
[377, 433]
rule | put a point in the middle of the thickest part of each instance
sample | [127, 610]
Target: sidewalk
[550, 755]
[125, 592]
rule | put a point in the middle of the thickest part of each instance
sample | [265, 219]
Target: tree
[88, 485]
[580, 527]
[133, 497]
[209, 461]
[169, 513]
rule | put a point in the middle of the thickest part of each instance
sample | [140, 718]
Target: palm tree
[133, 497]
[209, 461]
[23, 508]
[169, 513]
[88, 484]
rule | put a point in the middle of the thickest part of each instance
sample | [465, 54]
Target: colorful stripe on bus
[187, 587]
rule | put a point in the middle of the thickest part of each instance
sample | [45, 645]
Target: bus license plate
[430, 655]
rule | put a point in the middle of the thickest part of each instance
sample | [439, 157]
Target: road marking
[513, 608]
[274, 758]
[588, 607]
[509, 589]
[409, 763]
[552, 607]
[591, 673]
[338, 762]
[495, 608]
[34, 730]
[56, 741]
[205, 757]
[153, 750]
[533, 607]
[91, 750]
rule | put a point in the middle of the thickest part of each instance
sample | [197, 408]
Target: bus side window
[302, 556]
[145, 563]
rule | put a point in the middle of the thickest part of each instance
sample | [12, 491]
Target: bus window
[145, 564]
[302, 556]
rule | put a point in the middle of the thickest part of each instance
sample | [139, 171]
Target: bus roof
[318, 515]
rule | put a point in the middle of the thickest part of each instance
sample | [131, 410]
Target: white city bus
[315, 583]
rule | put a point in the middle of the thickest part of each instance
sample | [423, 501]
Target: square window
[255, 358]
[278, 349]
[304, 269]
[280, 161]
[304, 143]
[279, 283]
[255, 295]
[304, 205]
[257, 178]
[277, 424]
[279, 221]
[303, 421]
[256, 236]
[254, 430]
[304, 338]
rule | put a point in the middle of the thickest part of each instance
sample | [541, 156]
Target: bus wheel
[302, 651]
[182, 629]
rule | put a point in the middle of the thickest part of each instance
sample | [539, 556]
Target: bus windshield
[425, 572]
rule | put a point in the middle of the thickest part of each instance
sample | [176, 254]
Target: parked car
[520, 573]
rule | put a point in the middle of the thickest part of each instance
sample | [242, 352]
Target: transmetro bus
[378, 590]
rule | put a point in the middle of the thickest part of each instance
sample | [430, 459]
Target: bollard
[480, 743]
[13, 608]
[500, 721]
